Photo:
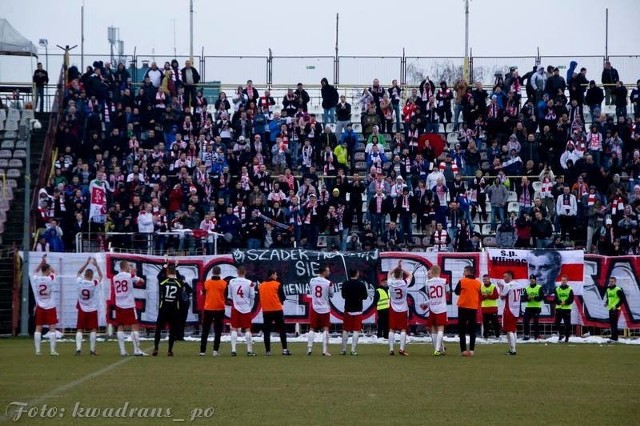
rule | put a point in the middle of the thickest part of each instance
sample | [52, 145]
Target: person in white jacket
[145, 220]
[570, 153]
[539, 82]
[566, 209]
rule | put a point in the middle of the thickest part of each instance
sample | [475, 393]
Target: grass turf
[554, 384]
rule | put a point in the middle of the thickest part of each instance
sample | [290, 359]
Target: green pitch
[554, 384]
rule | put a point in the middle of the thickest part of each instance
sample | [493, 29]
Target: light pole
[26, 235]
[45, 43]
[465, 70]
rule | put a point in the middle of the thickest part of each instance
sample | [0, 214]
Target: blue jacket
[572, 68]
[350, 139]
[274, 129]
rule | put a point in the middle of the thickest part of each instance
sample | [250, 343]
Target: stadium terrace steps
[14, 227]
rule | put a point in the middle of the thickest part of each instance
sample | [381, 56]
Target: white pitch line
[53, 393]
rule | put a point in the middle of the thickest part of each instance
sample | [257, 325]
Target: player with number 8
[87, 304]
[319, 316]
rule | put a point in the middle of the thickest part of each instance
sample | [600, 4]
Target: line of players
[472, 295]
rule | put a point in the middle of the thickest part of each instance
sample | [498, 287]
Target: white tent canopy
[14, 43]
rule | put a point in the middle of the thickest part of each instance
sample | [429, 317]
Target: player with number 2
[44, 282]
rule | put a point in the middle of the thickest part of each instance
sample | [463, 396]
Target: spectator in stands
[329, 101]
[498, 196]
[619, 94]
[301, 97]
[609, 80]
[154, 74]
[634, 98]
[40, 79]
[190, 79]
[395, 94]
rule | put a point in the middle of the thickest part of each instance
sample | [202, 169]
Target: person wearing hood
[594, 99]
[570, 153]
[571, 70]
[329, 101]
[539, 82]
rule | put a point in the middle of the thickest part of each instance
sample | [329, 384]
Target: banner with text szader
[589, 284]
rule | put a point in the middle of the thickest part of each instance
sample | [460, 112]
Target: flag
[98, 206]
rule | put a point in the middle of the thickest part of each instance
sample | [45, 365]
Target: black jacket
[329, 96]
[595, 96]
[353, 292]
[610, 76]
[194, 73]
[40, 77]
[343, 112]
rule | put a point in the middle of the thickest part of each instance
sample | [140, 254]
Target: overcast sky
[373, 27]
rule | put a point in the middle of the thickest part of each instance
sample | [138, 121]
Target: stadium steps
[14, 227]
[6, 288]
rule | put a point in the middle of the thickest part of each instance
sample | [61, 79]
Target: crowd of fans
[253, 171]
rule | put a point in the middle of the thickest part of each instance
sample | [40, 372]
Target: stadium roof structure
[13, 43]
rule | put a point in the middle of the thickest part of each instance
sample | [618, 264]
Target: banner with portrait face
[587, 275]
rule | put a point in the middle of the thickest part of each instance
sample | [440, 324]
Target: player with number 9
[87, 304]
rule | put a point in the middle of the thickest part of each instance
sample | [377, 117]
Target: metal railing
[271, 69]
[179, 242]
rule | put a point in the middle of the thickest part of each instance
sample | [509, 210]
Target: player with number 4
[398, 281]
[44, 282]
[125, 306]
[87, 304]
[437, 293]
[242, 293]
[319, 316]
